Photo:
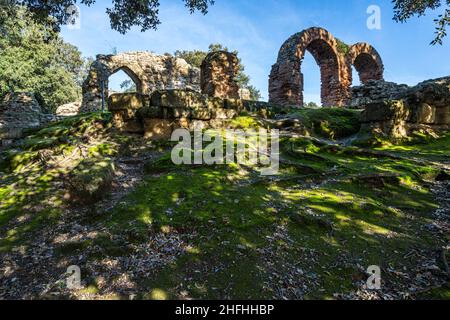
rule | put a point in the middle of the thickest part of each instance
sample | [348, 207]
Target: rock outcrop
[396, 111]
[148, 71]
[69, 109]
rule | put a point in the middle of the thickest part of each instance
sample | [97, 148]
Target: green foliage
[90, 180]
[34, 58]
[124, 14]
[194, 57]
[342, 47]
[405, 9]
[331, 123]
[312, 105]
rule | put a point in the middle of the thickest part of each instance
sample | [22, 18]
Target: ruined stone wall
[156, 116]
[20, 111]
[218, 75]
[148, 71]
[396, 111]
[335, 60]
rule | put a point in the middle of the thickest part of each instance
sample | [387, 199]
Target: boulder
[69, 109]
[386, 110]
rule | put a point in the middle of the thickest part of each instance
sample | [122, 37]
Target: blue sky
[258, 28]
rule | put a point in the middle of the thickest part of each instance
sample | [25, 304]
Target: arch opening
[367, 68]
[326, 58]
[312, 82]
[122, 80]
[286, 84]
[335, 60]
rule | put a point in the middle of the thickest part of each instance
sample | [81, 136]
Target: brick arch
[286, 79]
[366, 61]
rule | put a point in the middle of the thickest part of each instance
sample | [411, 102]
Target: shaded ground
[169, 232]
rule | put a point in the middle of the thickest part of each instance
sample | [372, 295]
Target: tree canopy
[196, 58]
[34, 58]
[123, 14]
[405, 9]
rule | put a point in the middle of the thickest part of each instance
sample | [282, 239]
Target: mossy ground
[339, 209]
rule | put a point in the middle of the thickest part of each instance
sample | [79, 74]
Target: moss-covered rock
[90, 180]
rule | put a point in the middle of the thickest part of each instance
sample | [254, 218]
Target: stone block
[158, 129]
[126, 101]
[390, 110]
[442, 116]
[178, 99]
[422, 113]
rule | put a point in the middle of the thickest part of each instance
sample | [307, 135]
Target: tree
[405, 9]
[196, 58]
[123, 14]
[312, 105]
[128, 86]
[34, 58]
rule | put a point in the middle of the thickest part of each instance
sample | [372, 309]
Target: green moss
[245, 122]
[332, 123]
[342, 47]
[90, 180]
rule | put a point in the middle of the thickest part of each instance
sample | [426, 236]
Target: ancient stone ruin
[20, 111]
[218, 75]
[171, 94]
[335, 60]
[397, 111]
[148, 71]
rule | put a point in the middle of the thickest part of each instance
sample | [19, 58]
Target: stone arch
[286, 79]
[130, 73]
[95, 87]
[366, 61]
[149, 71]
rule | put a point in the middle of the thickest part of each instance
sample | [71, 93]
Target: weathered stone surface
[423, 108]
[388, 110]
[126, 101]
[179, 99]
[375, 91]
[158, 129]
[124, 108]
[19, 111]
[69, 109]
[335, 60]
[148, 71]
[218, 75]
